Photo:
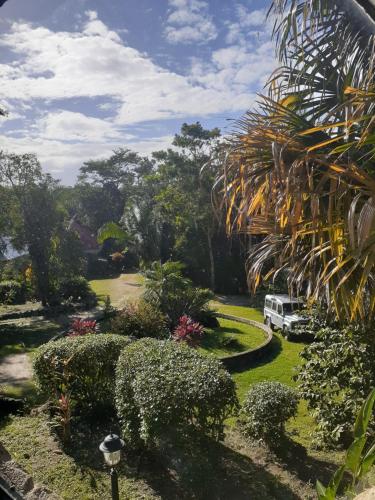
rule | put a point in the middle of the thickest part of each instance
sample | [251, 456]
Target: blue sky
[82, 77]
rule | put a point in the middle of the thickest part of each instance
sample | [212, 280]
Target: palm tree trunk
[212, 261]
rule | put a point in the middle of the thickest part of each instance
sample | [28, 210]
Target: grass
[24, 335]
[124, 287]
[220, 470]
[231, 337]
[31, 444]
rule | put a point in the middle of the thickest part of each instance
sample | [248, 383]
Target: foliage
[188, 331]
[166, 389]
[174, 294]
[82, 367]
[266, 409]
[318, 320]
[82, 327]
[140, 319]
[112, 230]
[108, 309]
[337, 374]
[11, 292]
[299, 171]
[359, 457]
[77, 289]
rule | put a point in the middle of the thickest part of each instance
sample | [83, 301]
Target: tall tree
[301, 169]
[34, 213]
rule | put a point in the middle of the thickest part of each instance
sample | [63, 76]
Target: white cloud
[64, 159]
[96, 63]
[248, 22]
[190, 22]
[72, 126]
[50, 66]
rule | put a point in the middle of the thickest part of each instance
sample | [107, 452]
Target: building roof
[85, 235]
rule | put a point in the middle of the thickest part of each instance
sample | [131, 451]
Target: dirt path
[15, 370]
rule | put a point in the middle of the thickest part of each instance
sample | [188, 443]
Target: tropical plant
[140, 319]
[359, 457]
[299, 171]
[173, 293]
[166, 390]
[337, 374]
[188, 331]
[266, 409]
[81, 327]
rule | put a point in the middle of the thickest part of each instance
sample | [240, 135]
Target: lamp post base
[114, 484]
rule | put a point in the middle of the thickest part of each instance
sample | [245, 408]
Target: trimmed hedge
[165, 389]
[11, 292]
[83, 366]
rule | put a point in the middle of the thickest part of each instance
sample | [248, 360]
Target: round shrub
[140, 320]
[267, 407]
[83, 367]
[164, 389]
[11, 292]
[77, 289]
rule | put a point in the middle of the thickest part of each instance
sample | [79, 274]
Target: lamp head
[111, 448]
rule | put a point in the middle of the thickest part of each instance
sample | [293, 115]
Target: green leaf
[321, 491]
[364, 415]
[111, 230]
[353, 455]
[367, 461]
[332, 488]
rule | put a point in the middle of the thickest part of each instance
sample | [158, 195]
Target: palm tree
[300, 168]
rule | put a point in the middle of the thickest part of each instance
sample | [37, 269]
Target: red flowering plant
[188, 331]
[82, 327]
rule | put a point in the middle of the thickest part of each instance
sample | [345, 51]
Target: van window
[274, 306]
[268, 303]
[279, 309]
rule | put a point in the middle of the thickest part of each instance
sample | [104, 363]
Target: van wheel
[269, 323]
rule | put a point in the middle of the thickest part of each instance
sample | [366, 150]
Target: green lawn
[231, 337]
[121, 289]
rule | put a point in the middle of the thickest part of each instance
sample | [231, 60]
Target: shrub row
[162, 390]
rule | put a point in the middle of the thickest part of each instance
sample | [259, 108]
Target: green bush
[175, 295]
[77, 289]
[83, 367]
[164, 389]
[267, 407]
[337, 374]
[308, 333]
[11, 292]
[140, 320]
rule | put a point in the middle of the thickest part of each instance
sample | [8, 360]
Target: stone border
[243, 360]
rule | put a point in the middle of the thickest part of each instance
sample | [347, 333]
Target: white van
[281, 311]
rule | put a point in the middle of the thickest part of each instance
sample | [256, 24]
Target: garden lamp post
[111, 448]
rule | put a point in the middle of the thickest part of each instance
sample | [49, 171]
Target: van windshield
[291, 307]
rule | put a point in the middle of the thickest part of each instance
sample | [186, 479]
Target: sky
[80, 78]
